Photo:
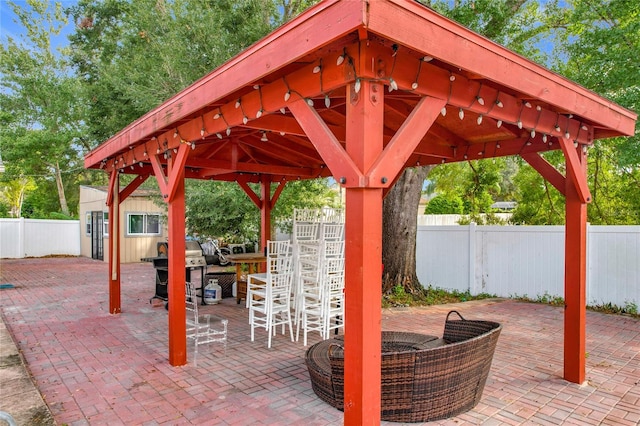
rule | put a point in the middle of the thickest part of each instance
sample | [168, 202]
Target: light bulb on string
[392, 84]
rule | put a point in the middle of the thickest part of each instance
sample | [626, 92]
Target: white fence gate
[528, 261]
[38, 237]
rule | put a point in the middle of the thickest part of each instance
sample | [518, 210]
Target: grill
[194, 259]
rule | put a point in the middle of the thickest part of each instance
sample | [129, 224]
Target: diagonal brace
[168, 185]
[330, 149]
[575, 169]
[546, 170]
[395, 155]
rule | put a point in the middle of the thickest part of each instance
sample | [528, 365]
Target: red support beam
[363, 256]
[328, 146]
[575, 281]
[133, 185]
[113, 201]
[575, 168]
[547, 171]
[177, 275]
[265, 211]
[405, 141]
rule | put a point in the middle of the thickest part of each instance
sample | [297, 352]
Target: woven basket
[423, 378]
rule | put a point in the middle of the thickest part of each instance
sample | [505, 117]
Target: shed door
[97, 237]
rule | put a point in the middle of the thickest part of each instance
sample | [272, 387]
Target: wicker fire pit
[424, 378]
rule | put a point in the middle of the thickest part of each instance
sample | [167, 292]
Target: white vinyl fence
[528, 261]
[38, 237]
[502, 260]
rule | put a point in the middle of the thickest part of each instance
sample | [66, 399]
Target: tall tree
[39, 96]
[132, 56]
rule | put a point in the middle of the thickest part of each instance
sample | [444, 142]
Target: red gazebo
[360, 90]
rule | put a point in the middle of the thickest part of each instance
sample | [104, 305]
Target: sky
[10, 29]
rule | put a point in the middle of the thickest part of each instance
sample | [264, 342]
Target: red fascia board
[320, 25]
[456, 45]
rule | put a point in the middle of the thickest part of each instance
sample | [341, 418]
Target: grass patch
[427, 297]
[630, 308]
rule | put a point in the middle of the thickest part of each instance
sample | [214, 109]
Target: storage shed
[144, 224]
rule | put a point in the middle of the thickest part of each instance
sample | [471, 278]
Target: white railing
[528, 261]
[38, 237]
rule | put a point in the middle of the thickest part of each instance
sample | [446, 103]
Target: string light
[264, 137]
[499, 123]
[357, 85]
[461, 114]
[340, 59]
[479, 120]
[392, 84]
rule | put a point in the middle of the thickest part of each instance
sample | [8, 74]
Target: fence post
[472, 257]
[21, 237]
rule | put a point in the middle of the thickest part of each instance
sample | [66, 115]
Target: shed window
[143, 224]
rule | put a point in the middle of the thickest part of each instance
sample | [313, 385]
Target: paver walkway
[100, 369]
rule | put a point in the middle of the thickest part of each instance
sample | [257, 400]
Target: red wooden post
[363, 256]
[113, 201]
[575, 278]
[177, 276]
[265, 211]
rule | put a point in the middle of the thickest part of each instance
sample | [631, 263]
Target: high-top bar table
[254, 262]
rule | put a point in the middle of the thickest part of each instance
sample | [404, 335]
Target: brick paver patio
[95, 368]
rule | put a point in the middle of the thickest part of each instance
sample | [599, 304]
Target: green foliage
[476, 183]
[539, 203]
[222, 209]
[444, 204]
[41, 132]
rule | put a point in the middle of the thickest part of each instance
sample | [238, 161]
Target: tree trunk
[400, 224]
[63, 199]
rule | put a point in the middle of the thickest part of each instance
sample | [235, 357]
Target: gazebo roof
[237, 121]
